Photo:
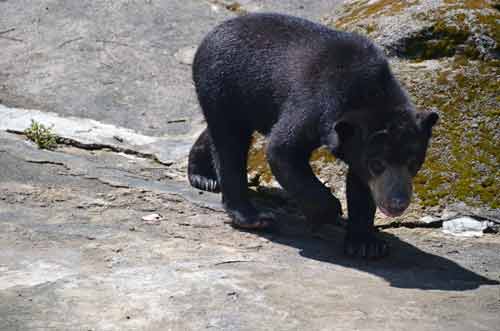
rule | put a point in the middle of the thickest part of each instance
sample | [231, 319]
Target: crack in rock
[92, 135]
[99, 147]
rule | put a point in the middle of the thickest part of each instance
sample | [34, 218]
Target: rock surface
[425, 29]
[75, 253]
[92, 134]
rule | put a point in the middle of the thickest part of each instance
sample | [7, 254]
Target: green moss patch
[463, 163]
[362, 9]
[435, 42]
[257, 165]
[259, 169]
[458, 20]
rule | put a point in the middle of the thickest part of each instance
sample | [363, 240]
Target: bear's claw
[365, 246]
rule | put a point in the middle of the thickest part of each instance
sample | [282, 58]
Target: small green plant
[41, 135]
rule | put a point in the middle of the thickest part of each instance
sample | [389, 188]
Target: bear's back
[253, 63]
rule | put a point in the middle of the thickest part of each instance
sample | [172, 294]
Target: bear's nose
[398, 204]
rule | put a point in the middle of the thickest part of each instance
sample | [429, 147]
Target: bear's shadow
[407, 266]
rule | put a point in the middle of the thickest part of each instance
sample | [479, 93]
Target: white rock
[152, 219]
[429, 219]
[465, 227]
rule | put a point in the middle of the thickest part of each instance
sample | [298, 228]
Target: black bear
[304, 85]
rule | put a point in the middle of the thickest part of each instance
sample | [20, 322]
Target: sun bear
[304, 85]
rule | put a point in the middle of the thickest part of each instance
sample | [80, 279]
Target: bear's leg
[231, 144]
[360, 239]
[289, 161]
[201, 170]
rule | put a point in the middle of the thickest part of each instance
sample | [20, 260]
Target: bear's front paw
[365, 245]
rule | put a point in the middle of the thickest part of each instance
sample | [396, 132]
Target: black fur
[201, 169]
[302, 85]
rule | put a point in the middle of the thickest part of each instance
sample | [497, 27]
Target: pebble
[153, 219]
[185, 55]
[464, 227]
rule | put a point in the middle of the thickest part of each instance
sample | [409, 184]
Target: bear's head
[387, 160]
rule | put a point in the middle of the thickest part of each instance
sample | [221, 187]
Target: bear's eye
[376, 166]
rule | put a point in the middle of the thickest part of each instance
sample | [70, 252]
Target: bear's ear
[426, 120]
